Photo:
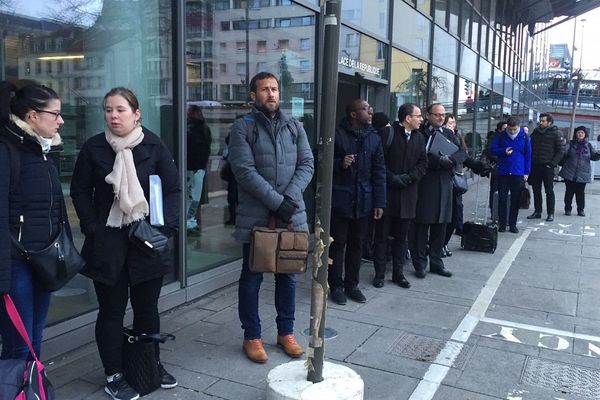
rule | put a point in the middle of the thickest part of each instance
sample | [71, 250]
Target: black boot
[398, 270]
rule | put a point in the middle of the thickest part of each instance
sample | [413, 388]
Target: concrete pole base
[288, 382]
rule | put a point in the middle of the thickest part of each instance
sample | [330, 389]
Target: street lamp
[581, 47]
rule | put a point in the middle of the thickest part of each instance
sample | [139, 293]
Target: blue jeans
[32, 302]
[248, 289]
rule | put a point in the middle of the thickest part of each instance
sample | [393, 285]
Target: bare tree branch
[75, 12]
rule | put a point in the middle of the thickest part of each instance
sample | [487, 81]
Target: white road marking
[541, 329]
[438, 370]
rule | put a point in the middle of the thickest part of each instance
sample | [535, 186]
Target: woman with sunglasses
[31, 205]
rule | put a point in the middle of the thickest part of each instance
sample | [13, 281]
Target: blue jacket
[519, 161]
[360, 188]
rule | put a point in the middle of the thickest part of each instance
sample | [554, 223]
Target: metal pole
[248, 49]
[579, 75]
[330, 12]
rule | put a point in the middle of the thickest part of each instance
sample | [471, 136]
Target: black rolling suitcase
[478, 235]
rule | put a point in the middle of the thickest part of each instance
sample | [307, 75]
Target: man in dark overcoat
[406, 164]
[358, 193]
[434, 208]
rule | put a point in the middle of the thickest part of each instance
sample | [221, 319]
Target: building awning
[531, 12]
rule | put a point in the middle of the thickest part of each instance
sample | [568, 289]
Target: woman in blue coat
[513, 149]
[577, 169]
[31, 204]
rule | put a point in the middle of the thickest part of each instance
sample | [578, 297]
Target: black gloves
[446, 162]
[486, 171]
[401, 181]
[477, 166]
[286, 209]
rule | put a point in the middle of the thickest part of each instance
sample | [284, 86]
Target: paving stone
[495, 378]
[451, 393]
[382, 385]
[537, 299]
[234, 391]
[429, 312]
[75, 389]
[588, 305]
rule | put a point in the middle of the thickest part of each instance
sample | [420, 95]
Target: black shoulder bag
[56, 264]
[60, 261]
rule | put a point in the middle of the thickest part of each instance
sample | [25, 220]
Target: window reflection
[468, 63]
[465, 114]
[81, 55]
[370, 14]
[408, 81]
[411, 29]
[250, 37]
[442, 88]
[445, 49]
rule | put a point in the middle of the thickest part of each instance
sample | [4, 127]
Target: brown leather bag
[278, 250]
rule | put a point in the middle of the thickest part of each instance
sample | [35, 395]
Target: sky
[588, 31]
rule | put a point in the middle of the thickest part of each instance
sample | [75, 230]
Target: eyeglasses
[367, 109]
[439, 115]
[55, 113]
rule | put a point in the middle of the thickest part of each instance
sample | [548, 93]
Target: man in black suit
[406, 163]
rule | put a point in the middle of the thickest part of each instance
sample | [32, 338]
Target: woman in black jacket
[29, 138]
[110, 191]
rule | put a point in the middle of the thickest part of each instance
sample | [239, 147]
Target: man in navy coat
[358, 193]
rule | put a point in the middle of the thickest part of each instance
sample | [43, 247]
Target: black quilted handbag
[140, 365]
[148, 239]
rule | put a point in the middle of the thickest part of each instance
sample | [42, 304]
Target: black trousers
[576, 189]
[422, 234]
[493, 188]
[348, 234]
[457, 220]
[112, 301]
[541, 173]
[398, 228]
[513, 184]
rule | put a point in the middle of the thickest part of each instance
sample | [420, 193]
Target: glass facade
[225, 48]
[447, 51]
[82, 55]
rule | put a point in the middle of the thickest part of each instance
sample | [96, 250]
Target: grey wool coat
[269, 158]
[576, 163]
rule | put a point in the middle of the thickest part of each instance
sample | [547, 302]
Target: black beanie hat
[379, 120]
[581, 128]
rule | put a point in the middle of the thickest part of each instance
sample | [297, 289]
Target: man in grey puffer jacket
[272, 162]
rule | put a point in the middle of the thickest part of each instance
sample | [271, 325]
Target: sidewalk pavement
[522, 323]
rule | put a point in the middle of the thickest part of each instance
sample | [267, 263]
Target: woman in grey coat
[577, 169]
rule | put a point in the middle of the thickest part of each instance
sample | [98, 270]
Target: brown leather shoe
[255, 351]
[290, 346]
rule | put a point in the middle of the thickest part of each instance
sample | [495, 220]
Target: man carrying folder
[434, 208]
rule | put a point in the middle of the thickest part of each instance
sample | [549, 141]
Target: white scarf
[129, 204]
